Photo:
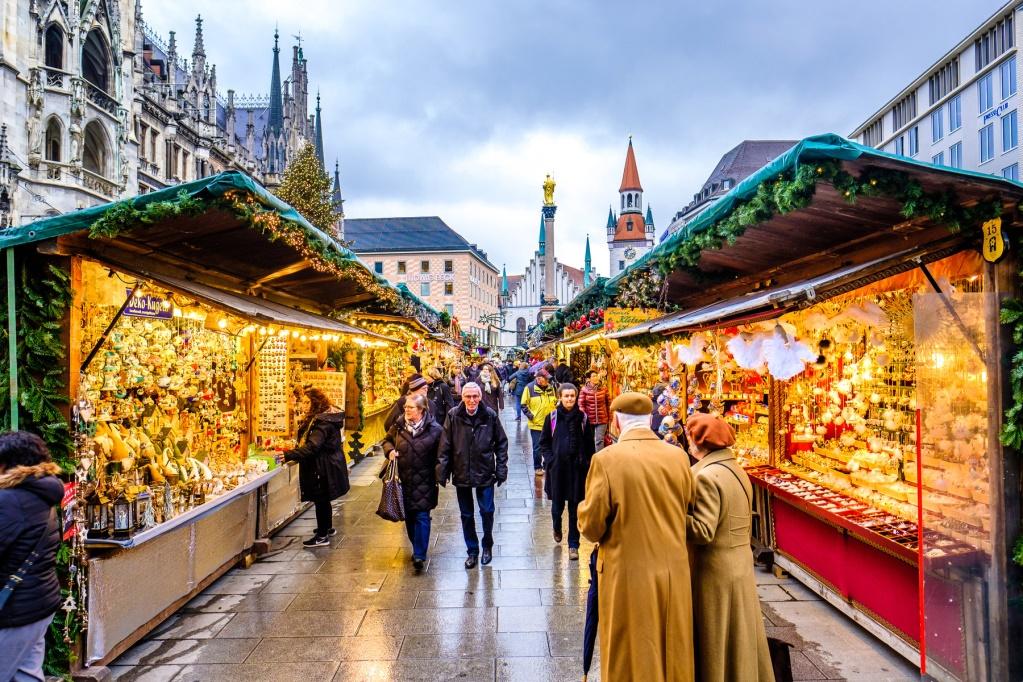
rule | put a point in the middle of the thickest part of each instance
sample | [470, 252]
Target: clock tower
[630, 234]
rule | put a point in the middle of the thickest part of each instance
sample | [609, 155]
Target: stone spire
[319, 134]
[611, 219]
[276, 122]
[172, 59]
[335, 196]
[504, 281]
[587, 269]
[199, 50]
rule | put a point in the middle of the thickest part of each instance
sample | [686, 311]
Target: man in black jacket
[473, 453]
[29, 489]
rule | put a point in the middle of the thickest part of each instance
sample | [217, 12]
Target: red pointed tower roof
[630, 178]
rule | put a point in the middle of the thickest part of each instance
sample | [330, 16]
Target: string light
[222, 323]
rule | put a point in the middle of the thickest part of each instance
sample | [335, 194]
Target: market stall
[179, 341]
[836, 309]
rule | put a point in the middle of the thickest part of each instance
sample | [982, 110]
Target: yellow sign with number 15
[994, 245]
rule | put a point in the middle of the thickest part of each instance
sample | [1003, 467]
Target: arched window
[96, 60]
[629, 200]
[520, 331]
[623, 202]
[53, 137]
[95, 157]
[206, 107]
[539, 318]
[54, 47]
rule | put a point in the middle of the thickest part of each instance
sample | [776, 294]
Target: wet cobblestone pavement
[356, 611]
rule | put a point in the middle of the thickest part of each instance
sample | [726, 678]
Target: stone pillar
[550, 286]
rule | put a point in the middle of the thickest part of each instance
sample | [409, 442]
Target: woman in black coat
[29, 489]
[439, 394]
[322, 467]
[566, 443]
[413, 441]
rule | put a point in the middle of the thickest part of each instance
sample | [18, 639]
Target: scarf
[415, 427]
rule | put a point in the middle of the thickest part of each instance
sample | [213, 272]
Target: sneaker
[316, 541]
[573, 554]
[418, 564]
[557, 536]
[332, 532]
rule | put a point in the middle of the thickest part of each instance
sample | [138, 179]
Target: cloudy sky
[458, 108]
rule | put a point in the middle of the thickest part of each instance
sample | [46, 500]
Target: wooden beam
[283, 272]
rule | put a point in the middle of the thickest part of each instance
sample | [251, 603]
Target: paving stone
[413, 670]
[339, 601]
[181, 651]
[429, 621]
[236, 603]
[773, 593]
[474, 645]
[322, 583]
[299, 649]
[238, 584]
[542, 669]
[281, 567]
[249, 672]
[478, 598]
[800, 592]
[567, 618]
[294, 624]
[192, 626]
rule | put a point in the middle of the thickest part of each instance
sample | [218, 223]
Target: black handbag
[392, 504]
[18, 576]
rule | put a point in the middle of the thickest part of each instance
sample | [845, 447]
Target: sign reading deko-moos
[623, 318]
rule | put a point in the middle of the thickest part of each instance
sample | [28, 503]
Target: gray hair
[472, 384]
[627, 421]
[418, 400]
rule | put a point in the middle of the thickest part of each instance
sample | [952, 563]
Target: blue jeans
[557, 509]
[535, 437]
[417, 525]
[21, 651]
[485, 498]
[518, 407]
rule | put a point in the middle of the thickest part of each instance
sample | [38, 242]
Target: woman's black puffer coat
[322, 468]
[27, 494]
[417, 462]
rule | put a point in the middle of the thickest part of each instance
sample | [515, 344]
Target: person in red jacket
[595, 404]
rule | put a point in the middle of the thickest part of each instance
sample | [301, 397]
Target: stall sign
[147, 305]
[993, 246]
[67, 509]
[623, 318]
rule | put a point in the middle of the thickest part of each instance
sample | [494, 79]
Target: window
[955, 155]
[450, 307]
[955, 114]
[986, 92]
[424, 288]
[53, 140]
[378, 267]
[937, 127]
[1011, 172]
[1010, 131]
[628, 226]
[96, 60]
[987, 142]
[938, 159]
[449, 288]
[900, 145]
[621, 265]
[54, 47]
[95, 156]
[944, 80]
[904, 111]
[401, 267]
[1007, 74]
[994, 43]
[914, 140]
[449, 266]
[874, 133]
[424, 266]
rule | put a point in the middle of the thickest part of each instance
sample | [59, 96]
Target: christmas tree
[307, 188]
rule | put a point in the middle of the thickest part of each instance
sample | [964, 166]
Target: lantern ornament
[97, 515]
[125, 515]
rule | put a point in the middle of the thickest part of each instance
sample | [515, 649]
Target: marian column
[549, 209]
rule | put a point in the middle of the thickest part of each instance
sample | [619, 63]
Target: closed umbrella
[590, 625]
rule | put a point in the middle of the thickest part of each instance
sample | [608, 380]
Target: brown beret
[632, 403]
[709, 432]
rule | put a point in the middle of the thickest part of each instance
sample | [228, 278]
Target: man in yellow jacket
[637, 494]
[537, 402]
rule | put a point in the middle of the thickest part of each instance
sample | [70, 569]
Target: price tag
[993, 246]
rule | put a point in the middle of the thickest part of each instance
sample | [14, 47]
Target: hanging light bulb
[294, 333]
[222, 323]
[284, 333]
[262, 331]
[177, 312]
[271, 330]
[303, 338]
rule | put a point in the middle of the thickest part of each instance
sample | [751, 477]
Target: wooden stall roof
[828, 235]
[216, 245]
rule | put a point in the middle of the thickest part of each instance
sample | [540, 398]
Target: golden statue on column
[548, 191]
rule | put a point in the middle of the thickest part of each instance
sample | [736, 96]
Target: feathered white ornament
[747, 350]
[693, 353]
[816, 321]
[785, 356]
[867, 313]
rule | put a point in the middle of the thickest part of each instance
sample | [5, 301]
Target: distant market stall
[840, 308]
[160, 344]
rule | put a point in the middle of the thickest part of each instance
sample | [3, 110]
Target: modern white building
[962, 111]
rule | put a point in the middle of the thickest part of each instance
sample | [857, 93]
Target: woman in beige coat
[731, 643]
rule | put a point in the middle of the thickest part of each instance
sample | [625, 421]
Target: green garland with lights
[42, 303]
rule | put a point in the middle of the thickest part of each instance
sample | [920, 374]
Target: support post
[12, 339]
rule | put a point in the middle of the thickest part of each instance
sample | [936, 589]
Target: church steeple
[319, 134]
[587, 265]
[336, 193]
[276, 121]
[543, 239]
[504, 281]
[631, 190]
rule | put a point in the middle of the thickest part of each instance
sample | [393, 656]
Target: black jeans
[324, 515]
[557, 509]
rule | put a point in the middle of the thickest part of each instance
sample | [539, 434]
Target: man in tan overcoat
[637, 493]
[731, 643]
